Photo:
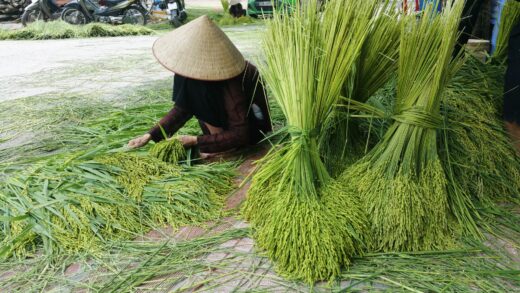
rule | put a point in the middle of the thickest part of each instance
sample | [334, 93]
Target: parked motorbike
[176, 11]
[42, 10]
[107, 11]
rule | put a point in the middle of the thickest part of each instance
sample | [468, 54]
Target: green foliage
[62, 30]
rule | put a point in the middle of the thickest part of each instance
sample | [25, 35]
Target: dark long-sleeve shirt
[242, 127]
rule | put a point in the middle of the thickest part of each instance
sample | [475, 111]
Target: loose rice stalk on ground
[402, 181]
[79, 206]
[308, 225]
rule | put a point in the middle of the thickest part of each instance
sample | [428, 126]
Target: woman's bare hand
[139, 141]
[188, 140]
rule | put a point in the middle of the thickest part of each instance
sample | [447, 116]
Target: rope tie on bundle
[297, 132]
[418, 117]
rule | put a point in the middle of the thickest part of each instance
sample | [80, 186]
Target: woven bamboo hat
[199, 50]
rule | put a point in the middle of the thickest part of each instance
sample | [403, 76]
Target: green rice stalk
[169, 151]
[509, 19]
[402, 180]
[299, 218]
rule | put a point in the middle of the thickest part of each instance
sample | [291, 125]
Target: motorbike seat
[113, 2]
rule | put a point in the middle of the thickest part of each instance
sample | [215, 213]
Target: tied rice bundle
[509, 18]
[375, 66]
[402, 180]
[169, 151]
[307, 224]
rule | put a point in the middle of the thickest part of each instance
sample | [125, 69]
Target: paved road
[103, 65]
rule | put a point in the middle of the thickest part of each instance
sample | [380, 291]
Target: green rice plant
[307, 225]
[510, 18]
[137, 171]
[402, 180]
[169, 151]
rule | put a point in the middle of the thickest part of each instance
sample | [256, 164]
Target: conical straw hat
[199, 50]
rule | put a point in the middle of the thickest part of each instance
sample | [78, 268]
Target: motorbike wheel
[31, 16]
[183, 15]
[134, 15]
[74, 16]
[176, 22]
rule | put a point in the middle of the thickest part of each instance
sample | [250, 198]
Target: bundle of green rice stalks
[81, 206]
[402, 180]
[375, 66]
[308, 225]
[169, 151]
[509, 18]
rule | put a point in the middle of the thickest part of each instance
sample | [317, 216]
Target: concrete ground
[103, 65]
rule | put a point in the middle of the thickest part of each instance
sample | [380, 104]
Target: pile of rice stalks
[475, 143]
[293, 203]
[62, 30]
[79, 206]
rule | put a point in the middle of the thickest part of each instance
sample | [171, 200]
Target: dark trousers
[470, 14]
[512, 80]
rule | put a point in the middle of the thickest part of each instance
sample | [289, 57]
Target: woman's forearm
[170, 124]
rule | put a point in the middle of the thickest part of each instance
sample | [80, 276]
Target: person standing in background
[496, 13]
[511, 110]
